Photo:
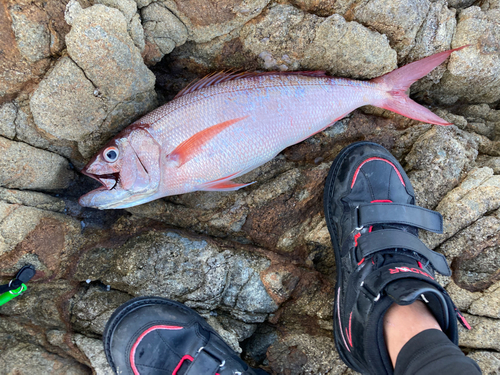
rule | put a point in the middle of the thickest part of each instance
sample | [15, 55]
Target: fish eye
[111, 154]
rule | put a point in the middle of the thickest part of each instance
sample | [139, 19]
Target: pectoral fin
[193, 146]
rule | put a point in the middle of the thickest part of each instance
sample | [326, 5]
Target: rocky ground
[257, 263]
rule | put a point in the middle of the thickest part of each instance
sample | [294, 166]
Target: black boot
[373, 222]
[153, 336]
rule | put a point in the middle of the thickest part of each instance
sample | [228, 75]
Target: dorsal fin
[225, 76]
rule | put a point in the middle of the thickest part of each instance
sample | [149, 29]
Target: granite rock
[399, 21]
[32, 32]
[25, 358]
[286, 38]
[305, 354]
[488, 361]
[26, 167]
[208, 20]
[482, 334]
[163, 30]
[197, 272]
[437, 148]
[478, 193]
[8, 113]
[67, 92]
[32, 199]
[489, 304]
[100, 44]
[472, 74]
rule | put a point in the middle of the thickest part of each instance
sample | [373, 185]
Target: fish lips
[97, 198]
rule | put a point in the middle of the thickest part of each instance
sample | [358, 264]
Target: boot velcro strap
[376, 282]
[397, 213]
[384, 239]
[204, 363]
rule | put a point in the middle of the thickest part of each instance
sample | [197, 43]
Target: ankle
[401, 323]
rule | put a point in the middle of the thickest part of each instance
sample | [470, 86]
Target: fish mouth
[108, 181]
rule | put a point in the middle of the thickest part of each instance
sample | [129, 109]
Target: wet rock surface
[256, 263]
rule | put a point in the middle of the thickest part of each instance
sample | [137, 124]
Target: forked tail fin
[398, 81]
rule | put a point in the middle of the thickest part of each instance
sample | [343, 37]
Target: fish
[229, 123]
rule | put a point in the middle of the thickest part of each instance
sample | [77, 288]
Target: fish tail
[397, 82]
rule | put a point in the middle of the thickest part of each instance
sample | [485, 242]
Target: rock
[92, 307]
[489, 362]
[477, 194]
[305, 354]
[459, 4]
[71, 12]
[437, 161]
[101, 87]
[324, 8]
[229, 337]
[163, 30]
[473, 239]
[473, 72]
[26, 167]
[26, 358]
[286, 38]
[51, 296]
[490, 4]
[256, 347]
[206, 21]
[43, 238]
[435, 34]
[28, 132]
[31, 33]
[100, 45]
[489, 304]
[198, 273]
[137, 33]
[266, 214]
[67, 92]
[134, 26]
[127, 7]
[488, 147]
[457, 120]
[482, 120]
[478, 244]
[305, 42]
[399, 21]
[239, 329]
[489, 162]
[482, 334]
[462, 298]
[8, 113]
[93, 350]
[32, 199]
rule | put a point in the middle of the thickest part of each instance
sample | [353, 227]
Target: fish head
[128, 169]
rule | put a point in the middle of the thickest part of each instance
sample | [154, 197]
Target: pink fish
[227, 124]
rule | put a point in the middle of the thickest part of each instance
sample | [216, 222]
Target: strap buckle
[356, 215]
[205, 362]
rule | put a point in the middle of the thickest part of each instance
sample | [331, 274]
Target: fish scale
[228, 124]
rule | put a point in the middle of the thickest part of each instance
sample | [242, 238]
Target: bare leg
[401, 323]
